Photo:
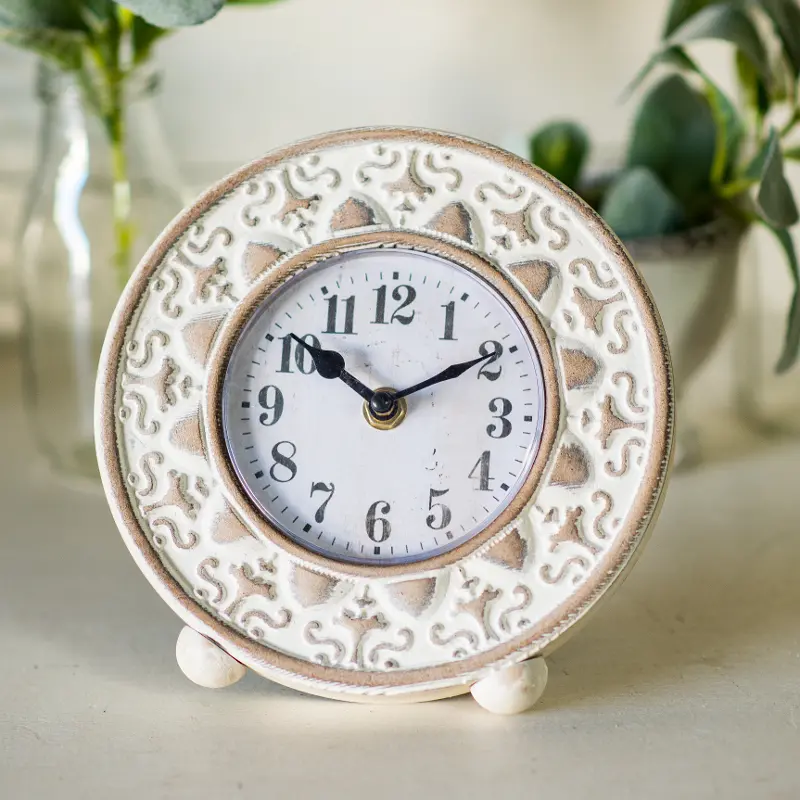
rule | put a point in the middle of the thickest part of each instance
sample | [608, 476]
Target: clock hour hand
[330, 364]
[453, 371]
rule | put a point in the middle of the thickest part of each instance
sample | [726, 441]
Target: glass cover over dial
[331, 434]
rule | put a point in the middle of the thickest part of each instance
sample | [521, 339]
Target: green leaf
[785, 16]
[793, 153]
[791, 342]
[754, 90]
[143, 37]
[560, 148]
[173, 13]
[775, 199]
[679, 12]
[64, 48]
[637, 206]
[674, 135]
[36, 14]
[725, 22]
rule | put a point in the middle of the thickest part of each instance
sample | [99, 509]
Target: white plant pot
[693, 277]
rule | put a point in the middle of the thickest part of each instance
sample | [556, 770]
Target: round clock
[383, 416]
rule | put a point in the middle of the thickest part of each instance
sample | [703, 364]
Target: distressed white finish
[478, 604]
[512, 689]
[204, 663]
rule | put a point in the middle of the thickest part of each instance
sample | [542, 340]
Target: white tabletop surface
[686, 684]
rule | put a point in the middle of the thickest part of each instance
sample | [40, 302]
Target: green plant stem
[123, 229]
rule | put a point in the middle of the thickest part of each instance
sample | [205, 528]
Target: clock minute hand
[453, 371]
[330, 364]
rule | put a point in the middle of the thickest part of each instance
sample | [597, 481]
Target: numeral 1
[449, 318]
[333, 309]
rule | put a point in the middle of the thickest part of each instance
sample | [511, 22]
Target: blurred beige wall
[254, 78]
[257, 77]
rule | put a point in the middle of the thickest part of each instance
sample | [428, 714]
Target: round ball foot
[205, 663]
[514, 689]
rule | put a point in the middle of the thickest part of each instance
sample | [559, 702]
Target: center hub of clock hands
[384, 408]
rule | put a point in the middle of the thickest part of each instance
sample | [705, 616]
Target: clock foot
[514, 689]
[204, 662]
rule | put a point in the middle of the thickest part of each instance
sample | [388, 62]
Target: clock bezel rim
[292, 670]
[311, 256]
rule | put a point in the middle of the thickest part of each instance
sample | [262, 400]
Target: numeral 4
[482, 468]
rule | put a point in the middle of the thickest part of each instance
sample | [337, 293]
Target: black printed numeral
[403, 294]
[284, 469]
[333, 314]
[449, 321]
[500, 408]
[270, 398]
[318, 486]
[482, 468]
[378, 527]
[444, 512]
[495, 349]
[302, 360]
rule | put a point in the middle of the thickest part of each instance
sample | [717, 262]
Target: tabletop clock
[382, 417]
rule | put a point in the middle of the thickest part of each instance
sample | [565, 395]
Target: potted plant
[104, 186]
[700, 168]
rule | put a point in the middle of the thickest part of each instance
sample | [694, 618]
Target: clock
[382, 416]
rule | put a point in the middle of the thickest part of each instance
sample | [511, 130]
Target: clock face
[403, 478]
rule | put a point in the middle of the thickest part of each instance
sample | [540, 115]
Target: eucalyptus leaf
[791, 343]
[174, 13]
[560, 148]
[725, 22]
[785, 16]
[675, 136]
[680, 11]
[775, 199]
[637, 206]
[63, 48]
[753, 88]
[37, 14]
[143, 37]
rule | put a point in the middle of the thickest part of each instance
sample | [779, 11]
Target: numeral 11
[333, 309]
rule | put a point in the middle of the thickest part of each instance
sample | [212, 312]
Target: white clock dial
[303, 446]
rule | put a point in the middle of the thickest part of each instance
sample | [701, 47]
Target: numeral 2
[496, 351]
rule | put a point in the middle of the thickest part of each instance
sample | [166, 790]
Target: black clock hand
[330, 364]
[453, 371]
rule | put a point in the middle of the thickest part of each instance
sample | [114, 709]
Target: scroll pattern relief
[499, 592]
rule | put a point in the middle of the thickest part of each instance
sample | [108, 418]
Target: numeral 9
[270, 398]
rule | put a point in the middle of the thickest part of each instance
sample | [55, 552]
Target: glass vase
[93, 208]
